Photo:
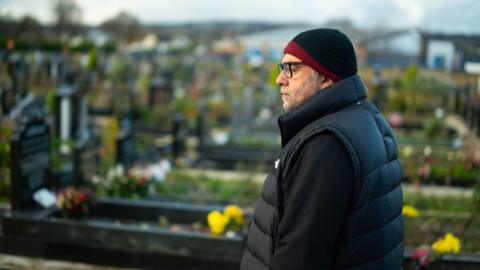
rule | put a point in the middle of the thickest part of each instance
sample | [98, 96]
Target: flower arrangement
[424, 256]
[231, 220]
[117, 183]
[75, 203]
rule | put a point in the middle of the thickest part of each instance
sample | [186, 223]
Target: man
[333, 198]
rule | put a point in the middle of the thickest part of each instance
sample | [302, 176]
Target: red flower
[82, 196]
[141, 181]
[74, 202]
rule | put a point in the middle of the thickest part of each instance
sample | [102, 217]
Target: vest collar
[322, 103]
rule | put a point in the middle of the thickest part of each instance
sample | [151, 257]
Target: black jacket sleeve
[317, 193]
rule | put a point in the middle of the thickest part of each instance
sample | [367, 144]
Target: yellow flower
[234, 212]
[448, 244]
[217, 222]
[410, 211]
[454, 242]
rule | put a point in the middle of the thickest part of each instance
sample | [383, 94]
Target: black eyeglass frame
[287, 68]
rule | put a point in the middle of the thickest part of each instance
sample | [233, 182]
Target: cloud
[38, 9]
[412, 12]
[435, 14]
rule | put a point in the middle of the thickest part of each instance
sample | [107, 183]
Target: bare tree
[67, 17]
[124, 27]
[29, 27]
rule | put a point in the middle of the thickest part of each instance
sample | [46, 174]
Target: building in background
[395, 48]
[451, 52]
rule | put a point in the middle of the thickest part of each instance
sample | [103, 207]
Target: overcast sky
[439, 15]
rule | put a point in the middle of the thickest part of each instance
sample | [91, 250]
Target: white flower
[427, 151]
[157, 172]
[110, 174]
[119, 171]
[96, 179]
[439, 113]
[165, 165]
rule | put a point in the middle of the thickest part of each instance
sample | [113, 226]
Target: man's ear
[326, 82]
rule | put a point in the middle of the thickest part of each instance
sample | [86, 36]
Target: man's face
[303, 84]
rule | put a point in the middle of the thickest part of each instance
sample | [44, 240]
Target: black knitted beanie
[327, 51]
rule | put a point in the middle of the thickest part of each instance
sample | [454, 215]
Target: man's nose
[281, 79]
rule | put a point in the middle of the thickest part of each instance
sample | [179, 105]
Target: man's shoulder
[324, 142]
[325, 137]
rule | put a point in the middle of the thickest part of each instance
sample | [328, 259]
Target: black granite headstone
[86, 160]
[30, 152]
[19, 73]
[180, 133]
[126, 148]
[161, 89]
[201, 124]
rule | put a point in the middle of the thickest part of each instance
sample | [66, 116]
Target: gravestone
[180, 133]
[248, 107]
[19, 73]
[30, 152]
[66, 126]
[126, 144]
[65, 72]
[235, 119]
[157, 93]
[201, 127]
[161, 89]
[81, 129]
[86, 160]
[64, 111]
[124, 233]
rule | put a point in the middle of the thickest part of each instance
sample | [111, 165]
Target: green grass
[203, 189]
[444, 203]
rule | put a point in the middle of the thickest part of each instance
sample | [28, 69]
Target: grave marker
[30, 152]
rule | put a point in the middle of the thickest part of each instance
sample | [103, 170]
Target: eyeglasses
[287, 68]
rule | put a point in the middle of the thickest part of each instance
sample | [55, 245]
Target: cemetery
[155, 157]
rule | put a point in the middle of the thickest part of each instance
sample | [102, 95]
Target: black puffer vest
[372, 233]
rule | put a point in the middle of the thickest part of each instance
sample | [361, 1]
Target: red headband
[294, 49]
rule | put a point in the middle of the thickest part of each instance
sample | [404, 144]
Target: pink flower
[396, 120]
[424, 170]
[421, 255]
